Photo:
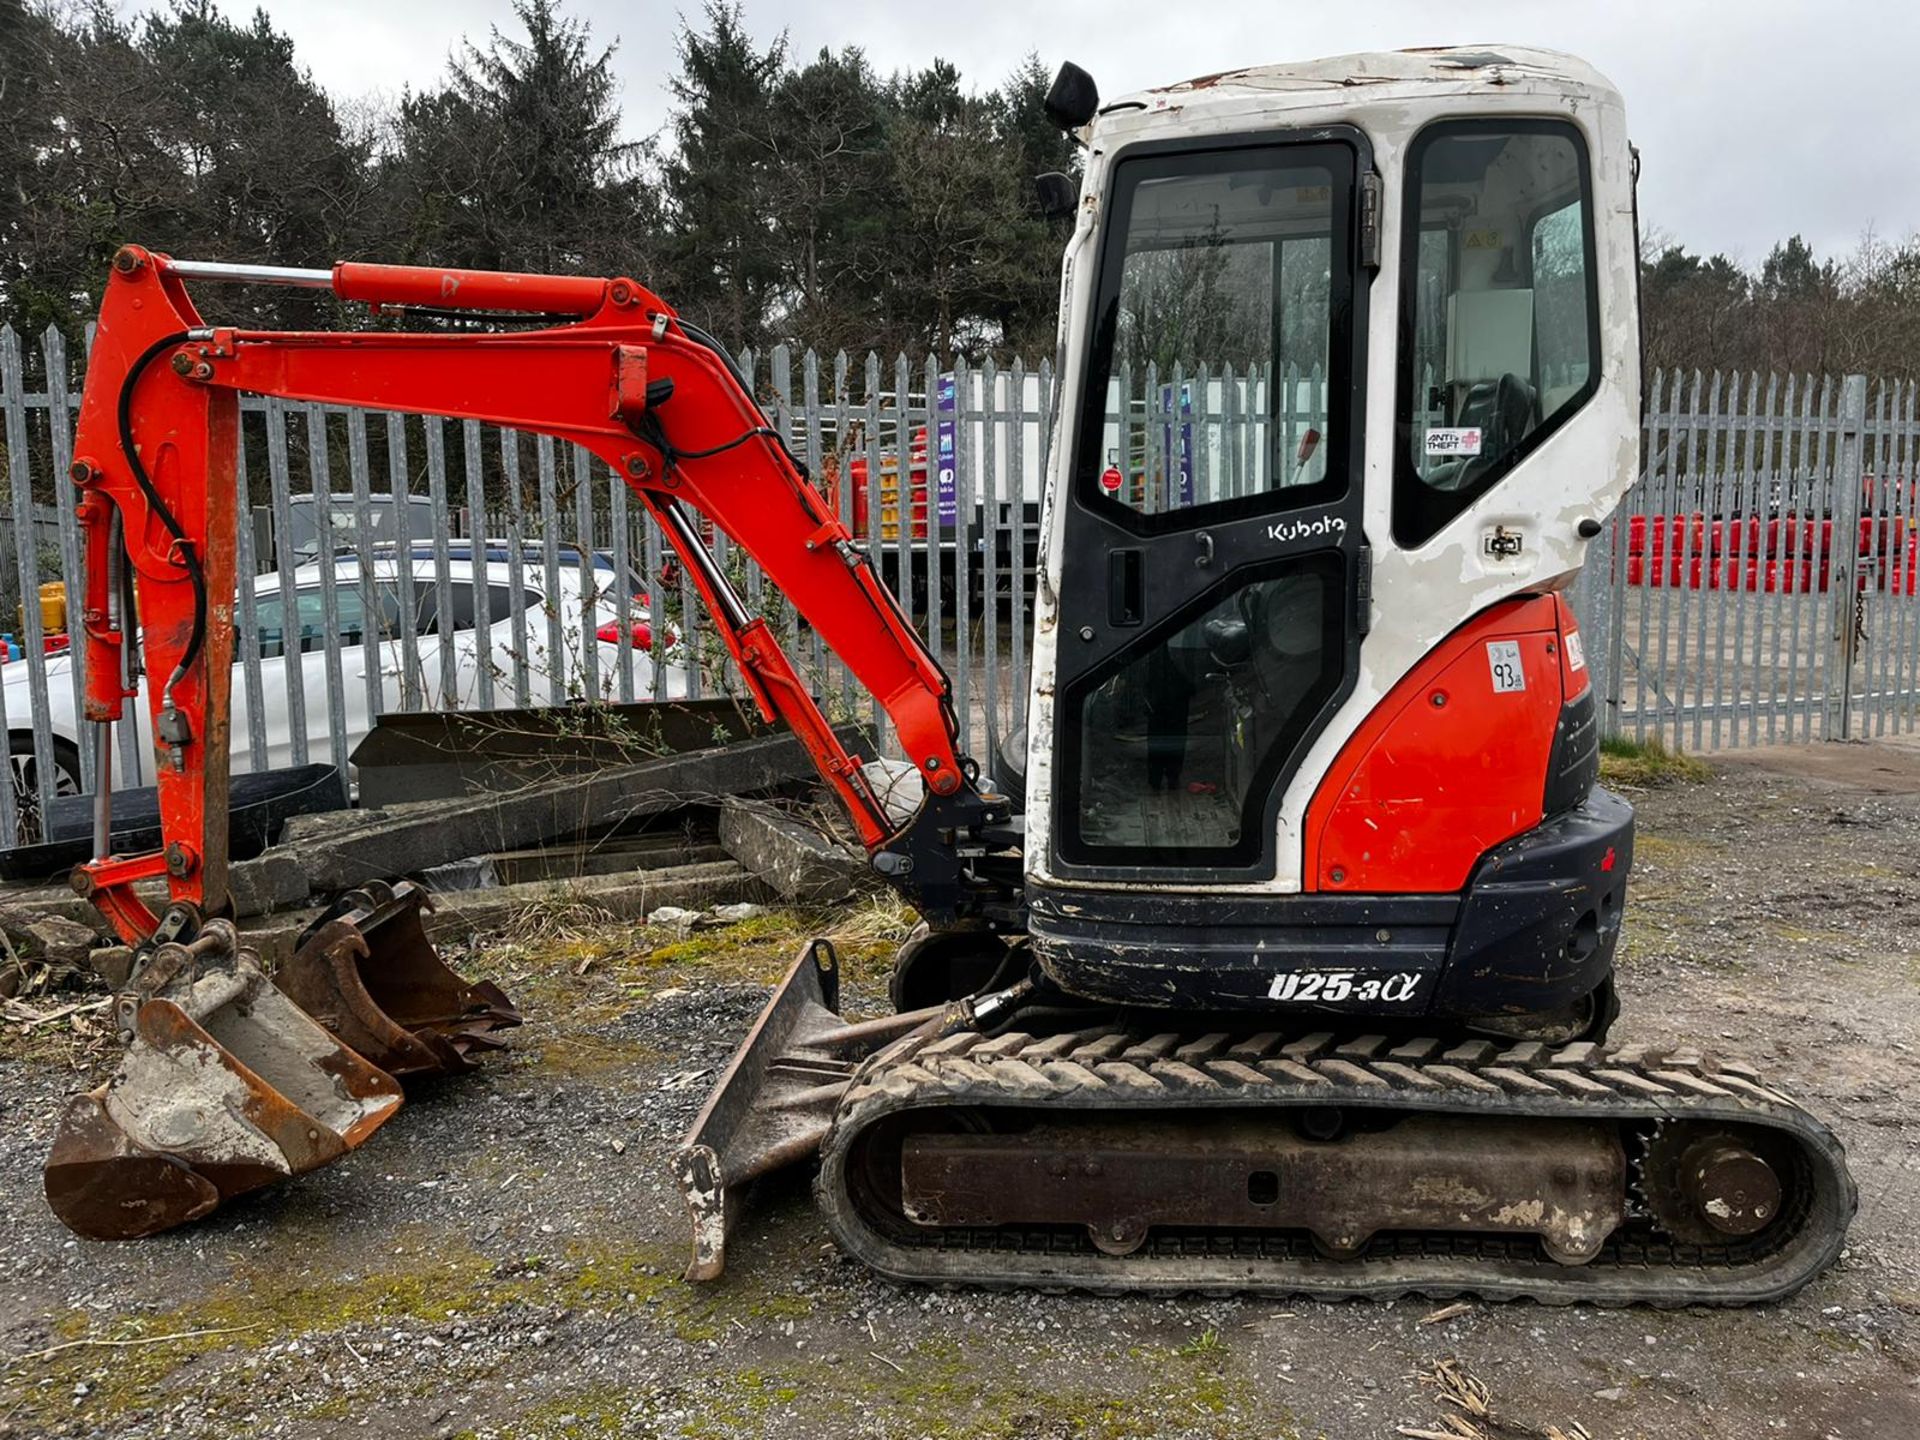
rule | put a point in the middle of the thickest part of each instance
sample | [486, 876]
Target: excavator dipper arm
[611, 368]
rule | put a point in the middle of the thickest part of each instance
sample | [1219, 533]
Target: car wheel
[29, 825]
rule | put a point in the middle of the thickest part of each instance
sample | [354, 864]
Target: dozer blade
[776, 1100]
[226, 1086]
[369, 974]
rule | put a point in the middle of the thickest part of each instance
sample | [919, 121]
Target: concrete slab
[793, 857]
[417, 837]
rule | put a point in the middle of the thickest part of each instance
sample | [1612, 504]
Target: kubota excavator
[1277, 955]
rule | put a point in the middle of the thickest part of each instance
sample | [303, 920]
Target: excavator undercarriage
[1123, 1156]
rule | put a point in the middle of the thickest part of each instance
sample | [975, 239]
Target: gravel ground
[502, 1260]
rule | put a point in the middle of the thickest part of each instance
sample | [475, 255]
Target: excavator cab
[1338, 417]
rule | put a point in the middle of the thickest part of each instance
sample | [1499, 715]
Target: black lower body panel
[1540, 919]
[1533, 932]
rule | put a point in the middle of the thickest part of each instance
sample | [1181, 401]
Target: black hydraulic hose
[189, 558]
[708, 342]
[702, 338]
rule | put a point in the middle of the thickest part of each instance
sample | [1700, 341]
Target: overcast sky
[1756, 119]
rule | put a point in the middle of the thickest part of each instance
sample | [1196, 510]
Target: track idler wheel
[226, 1086]
[369, 974]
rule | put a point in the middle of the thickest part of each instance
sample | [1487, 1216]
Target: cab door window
[1499, 316]
[1220, 343]
[1219, 388]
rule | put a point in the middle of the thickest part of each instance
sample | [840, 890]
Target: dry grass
[1467, 1411]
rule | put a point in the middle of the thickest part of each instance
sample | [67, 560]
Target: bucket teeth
[370, 975]
[226, 1086]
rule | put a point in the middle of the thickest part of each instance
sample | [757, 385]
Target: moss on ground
[590, 1414]
[1648, 763]
[937, 1392]
[941, 1393]
[589, 1057]
[1671, 850]
[760, 949]
[427, 1281]
[593, 969]
[258, 1305]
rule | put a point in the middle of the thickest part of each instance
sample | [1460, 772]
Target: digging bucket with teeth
[367, 972]
[226, 1086]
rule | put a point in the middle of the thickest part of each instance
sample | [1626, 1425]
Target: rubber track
[1107, 1071]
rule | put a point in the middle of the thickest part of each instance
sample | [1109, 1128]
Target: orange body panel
[1447, 766]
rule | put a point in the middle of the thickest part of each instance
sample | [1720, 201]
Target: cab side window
[1499, 321]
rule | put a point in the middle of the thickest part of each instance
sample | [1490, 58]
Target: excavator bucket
[226, 1086]
[369, 974]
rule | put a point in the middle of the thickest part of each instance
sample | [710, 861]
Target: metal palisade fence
[1758, 584]
[402, 562]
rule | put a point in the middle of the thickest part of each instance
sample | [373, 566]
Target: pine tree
[725, 254]
[829, 203]
[516, 161]
[183, 131]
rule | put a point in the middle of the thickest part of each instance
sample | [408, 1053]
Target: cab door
[1213, 583]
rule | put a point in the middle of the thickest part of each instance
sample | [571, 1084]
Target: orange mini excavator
[1277, 954]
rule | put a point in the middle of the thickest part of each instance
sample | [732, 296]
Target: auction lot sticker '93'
[1503, 660]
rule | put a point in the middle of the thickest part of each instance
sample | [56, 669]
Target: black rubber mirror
[1073, 98]
[1056, 193]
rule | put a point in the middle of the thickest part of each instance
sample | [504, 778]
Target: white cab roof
[1375, 78]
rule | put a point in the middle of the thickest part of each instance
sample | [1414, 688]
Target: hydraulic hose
[189, 557]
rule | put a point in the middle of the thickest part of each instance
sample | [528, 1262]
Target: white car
[297, 675]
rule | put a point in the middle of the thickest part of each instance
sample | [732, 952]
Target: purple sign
[1186, 436]
[945, 432]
